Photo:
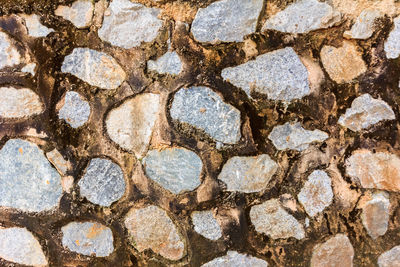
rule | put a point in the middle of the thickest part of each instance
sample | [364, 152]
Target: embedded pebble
[390, 258]
[280, 75]
[75, 109]
[364, 26]
[205, 224]
[80, 13]
[58, 161]
[34, 27]
[392, 44]
[29, 68]
[336, 252]
[169, 63]
[9, 55]
[19, 103]
[233, 258]
[375, 214]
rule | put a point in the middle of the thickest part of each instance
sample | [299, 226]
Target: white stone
[363, 28]
[34, 27]
[9, 55]
[75, 109]
[80, 13]
[375, 214]
[58, 161]
[390, 258]
[233, 258]
[336, 251]
[169, 63]
[205, 224]
[392, 44]
[29, 68]
[19, 103]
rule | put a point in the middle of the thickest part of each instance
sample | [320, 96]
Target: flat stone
[58, 161]
[18, 245]
[19, 103]
[175, 169]
[364, 112]
[271, 219]
[131, 124]
[80, 13]
[94, 67]
[169, 63]
[293, 136]
[316, 193]
[103, 182]
[152, 228]
[335, 252]
[75, 110]
[27, 180]
[303, 16]
[204, 109]
[34, 27]
[29, 68]
[280, 75]
[364, 26]
[375, 214]
[248, 174]
[344, 63]
[206, 225]
[128, 24]
[9, 55]
[390, 258]
[233, 258]
[88, 238]
[392, 44]
[226, 20]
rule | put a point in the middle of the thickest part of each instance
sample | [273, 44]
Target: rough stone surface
[169, 63]
[392, 44]
[19, 103]
[248, 174]
[364, 26]
[205, 224]
[390, 258]
[9, 55]
[34, 27]
[375, 214]
[278, 74]
[80, 13]
[204, 109]
[58, 161]
[233, 258]
[335, 252]
[75, 109]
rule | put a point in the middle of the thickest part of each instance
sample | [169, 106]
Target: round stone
[75, 110]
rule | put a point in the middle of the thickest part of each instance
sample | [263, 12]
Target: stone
[34, 27]
[364, 112]
[302, 17]
[152, 228]
[271, 219]
[75, 109]
[280, 75]
[316, 193]
[375, 214]
[335, 252]
[18, 245]
[293, 136]
[233, 258]
[29, 68]
[28, 182]
[206, 225]
[94, 67]
[58, 161]
[226, 20]
[169, 63]
[364, 26]
[128, 24]
[131, 124]
[103, 182]
[248, 174]
[19, 103]
[175, 169]
[80, 13]
[204, 109]
[390, 258]
[392, 44]
[9, 55]
[88, 238]
[344, 63]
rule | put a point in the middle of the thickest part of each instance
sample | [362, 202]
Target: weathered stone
[316, 193]
[294, 136]
[392, 44]
[233, 258]
[271, 219]
[27, 180]
[335, 252]
[88, 238]
[169, 63]
[363, 28]
[366, 111]
[131, 124]
[205, 224]
[226, 20]
[75, 109]
[80, 13]
[58, 161]
[278, 74]
[303, 16]
[94, 67]
[204, 109]
[18, 245]
[9, 55]
[248, 174]
[34, 27]
[128, 24]
[19, 103]
[151, 228]
[390, 258]
[29, 68]
[103, 182]
[175, 169]
[343, 64]
[375, 214]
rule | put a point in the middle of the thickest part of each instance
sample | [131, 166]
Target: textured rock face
[226, 20]
[9, 55]
[80, 13]
[336, 252]
[27, 180]
[151, 228]
[248, 174]
[19, 103]
[375, 214]
[204, 109]
[280, 75]
[169, 63]
[364, 26]
[34, 27]
[205, 224]
[390, 258]
[392, 44]
[75, 109]
[233, 258]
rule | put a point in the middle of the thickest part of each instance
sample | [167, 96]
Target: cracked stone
[58, 161]
[206, 225]
[34, 27]
[75, 109]
[233, 258]
[390, 258]
[375, 214]
[169, 63]
[392, 44]
[364, 26]
[80, 13]
[9, 55]
[19, 103]
[336, 252]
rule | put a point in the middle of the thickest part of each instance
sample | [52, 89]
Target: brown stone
[335, 252]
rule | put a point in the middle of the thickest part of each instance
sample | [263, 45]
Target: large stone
[205, 224]
[175, 169]
[27, 180]
[18, 245]
[392, 44]
[233, 258]
[169, 63]
[80, 13]
[94, 67]
[9, 55]
[390, 258]
[131, 124]
[128, 24]
[366, 111]
[151, 228]
[19, 103]
[34, 27]
[278, 74]
[375, 214]
[364, 26]
[75, 109]
[335, 252]
[248, 174]
[226, 20]
[88, 238]
[204, 109]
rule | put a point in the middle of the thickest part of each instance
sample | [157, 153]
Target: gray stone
[233, 258]
[392, 44]
[205, 224]
[336, 252]
[34, 27]
[278, 74]
[75, 109]
[80, 13]
[226, 20]
[29, 68]
[88, 238]
[294, 136]
[9, 55]
[248, 174]
[390, 258]
[19, 103]
[175, 169]
[363, 28]
[94, 67]
[103, 182]
[169, 63]
[27, 180]
[375, 214]
[204, 109]
[128, 24]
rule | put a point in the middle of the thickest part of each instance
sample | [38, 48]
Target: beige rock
[19, 103]
[80, 13]
[58, 161]
[375, 214]
[363, 28]
[390, 258]
[335, 252]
